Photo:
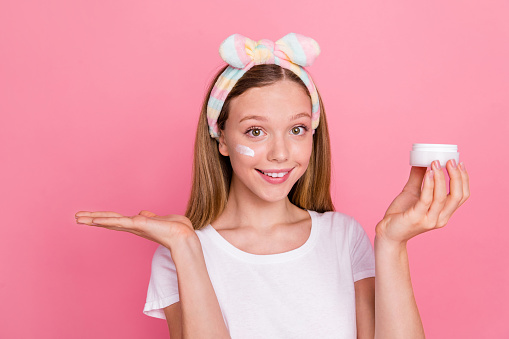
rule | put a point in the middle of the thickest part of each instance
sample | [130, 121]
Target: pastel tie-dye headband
[291, 52]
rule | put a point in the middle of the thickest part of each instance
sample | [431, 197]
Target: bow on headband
[293, 51]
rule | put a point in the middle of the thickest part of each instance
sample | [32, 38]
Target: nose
[278, 149]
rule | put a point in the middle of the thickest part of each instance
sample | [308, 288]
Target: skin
[415, 210]
[257, 209]
[422, 206]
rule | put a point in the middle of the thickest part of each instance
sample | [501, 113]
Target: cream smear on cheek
[245, 150]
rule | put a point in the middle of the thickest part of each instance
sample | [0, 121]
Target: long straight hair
[212, 172]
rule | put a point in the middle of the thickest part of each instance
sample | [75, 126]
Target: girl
[260, 252]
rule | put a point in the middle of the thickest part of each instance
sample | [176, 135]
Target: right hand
[415, 210]
[164, 230]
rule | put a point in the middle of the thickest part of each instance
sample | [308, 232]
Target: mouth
[275, 176]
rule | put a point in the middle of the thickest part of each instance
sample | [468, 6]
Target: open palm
[164, 230]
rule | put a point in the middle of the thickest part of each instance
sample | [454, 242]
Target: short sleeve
[361, 252]
[163, 284]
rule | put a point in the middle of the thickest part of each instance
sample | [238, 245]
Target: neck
[246, 210]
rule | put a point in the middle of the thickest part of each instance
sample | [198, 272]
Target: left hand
[414, 211]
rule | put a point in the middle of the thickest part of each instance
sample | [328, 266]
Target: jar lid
[435, 148]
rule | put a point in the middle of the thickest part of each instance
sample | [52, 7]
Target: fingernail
[430, 174]
[437, 164]
[453, 163]
[462, 166]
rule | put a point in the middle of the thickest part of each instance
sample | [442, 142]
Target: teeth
[276, 175]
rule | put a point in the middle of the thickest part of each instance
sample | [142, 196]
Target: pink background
[99, 102]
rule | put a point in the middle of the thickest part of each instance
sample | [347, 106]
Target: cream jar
[422, 155]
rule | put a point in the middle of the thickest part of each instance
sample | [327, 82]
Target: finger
[84, 220]
[414, 182]
[169, 217]
[439, 194]
[465, 180]
[122, 222]
[95, 222]
[97, 214]
[172, 217]
[426, 198]
[148, 214]
[88, 221]
[117, 223]
[455, 193]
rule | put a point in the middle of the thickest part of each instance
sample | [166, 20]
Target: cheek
[245, 150]
[243, 156]
[302, 152]
[251, 153]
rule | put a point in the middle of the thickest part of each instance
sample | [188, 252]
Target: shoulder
[339, 224]
[335, 219]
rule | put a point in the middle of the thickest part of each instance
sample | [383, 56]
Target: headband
[291, 52]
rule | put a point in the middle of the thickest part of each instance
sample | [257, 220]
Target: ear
[222, 144]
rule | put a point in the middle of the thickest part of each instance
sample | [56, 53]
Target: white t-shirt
[307, 292]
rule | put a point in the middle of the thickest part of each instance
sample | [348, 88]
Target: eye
[254, 132]
[297, 129]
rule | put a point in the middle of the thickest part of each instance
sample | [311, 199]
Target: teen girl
[260, 252]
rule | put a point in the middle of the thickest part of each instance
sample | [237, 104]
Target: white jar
[422, 155]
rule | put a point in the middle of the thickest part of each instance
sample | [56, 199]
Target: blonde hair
[212, 172]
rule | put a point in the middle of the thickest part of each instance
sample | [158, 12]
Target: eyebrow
[257, 117]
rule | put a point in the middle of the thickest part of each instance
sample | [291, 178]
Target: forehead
[284, 98]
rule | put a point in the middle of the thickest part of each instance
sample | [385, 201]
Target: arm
[414, 211]
[387, 300]
[201, 314]
[173, 314]
[365, 307]
[396, 312]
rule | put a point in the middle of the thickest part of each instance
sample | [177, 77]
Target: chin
[274, 195]
[276, 198]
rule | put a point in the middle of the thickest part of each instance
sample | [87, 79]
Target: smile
[275, 176]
